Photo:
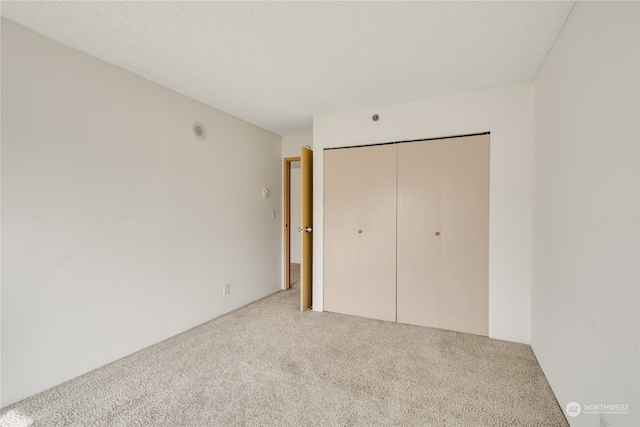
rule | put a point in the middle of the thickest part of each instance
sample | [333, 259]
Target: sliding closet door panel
[465, 234]
[418, 260]
[376, 232]
[340, 225]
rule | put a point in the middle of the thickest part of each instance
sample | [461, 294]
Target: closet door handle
[437, 233]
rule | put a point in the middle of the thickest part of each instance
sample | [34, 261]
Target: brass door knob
[437, 233]
[360, 231]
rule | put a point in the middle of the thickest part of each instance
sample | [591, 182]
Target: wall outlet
[226, 289]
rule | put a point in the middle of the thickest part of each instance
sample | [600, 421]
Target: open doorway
[305, 216]
[292, 244]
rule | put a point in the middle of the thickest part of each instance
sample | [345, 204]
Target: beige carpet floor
[268, 364]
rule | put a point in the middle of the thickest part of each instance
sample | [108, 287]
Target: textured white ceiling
[277, 64]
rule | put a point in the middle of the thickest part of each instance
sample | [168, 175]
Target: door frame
[287, 219]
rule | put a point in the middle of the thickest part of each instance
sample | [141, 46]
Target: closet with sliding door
[406, 231]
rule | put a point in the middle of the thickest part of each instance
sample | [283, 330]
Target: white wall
[291, 144]
[296, 240]
[585, 304]
[504, 111]
[119, 228]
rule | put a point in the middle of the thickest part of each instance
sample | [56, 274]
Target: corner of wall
[585, 300]
[107, 193]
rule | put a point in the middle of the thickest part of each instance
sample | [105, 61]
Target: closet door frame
[477, 317]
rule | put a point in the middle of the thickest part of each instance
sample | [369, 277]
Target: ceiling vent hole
[198, 130]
